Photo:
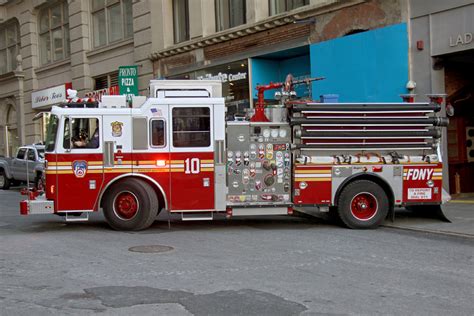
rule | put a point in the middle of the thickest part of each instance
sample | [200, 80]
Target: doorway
[459, 80]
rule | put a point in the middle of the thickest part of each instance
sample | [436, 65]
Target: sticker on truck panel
[422, 174]
[80, 168]
[419, 194]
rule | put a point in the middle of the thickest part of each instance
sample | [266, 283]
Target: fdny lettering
[419, 174]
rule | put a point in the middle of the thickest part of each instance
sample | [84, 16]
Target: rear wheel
[4, 181]
[130, 205]
[363, 204]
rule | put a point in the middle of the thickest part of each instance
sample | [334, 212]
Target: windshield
[51, 133]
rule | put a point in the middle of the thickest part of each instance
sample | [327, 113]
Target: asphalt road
[281, 266]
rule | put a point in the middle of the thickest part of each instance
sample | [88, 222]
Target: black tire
[39, 182]
[363, 204]
[131, 204]
[4, 181]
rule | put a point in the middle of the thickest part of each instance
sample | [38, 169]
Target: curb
[430, 231]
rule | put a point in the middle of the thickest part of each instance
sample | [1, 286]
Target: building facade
[442, 50]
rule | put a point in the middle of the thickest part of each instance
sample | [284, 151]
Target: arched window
[54, 33]
[9, 46]
[112, 21]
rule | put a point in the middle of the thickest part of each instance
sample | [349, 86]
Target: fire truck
[175, 152]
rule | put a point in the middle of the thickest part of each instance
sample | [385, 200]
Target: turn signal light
[51, 189]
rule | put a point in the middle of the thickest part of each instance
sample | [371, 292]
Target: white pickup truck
[13, 171]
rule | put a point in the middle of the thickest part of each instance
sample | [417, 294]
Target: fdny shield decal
[116, 128]
[80, 168]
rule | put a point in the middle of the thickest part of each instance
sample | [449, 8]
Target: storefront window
[54, 33]
[9, 47]
[235, 84]
[112, 21]
[279, 6]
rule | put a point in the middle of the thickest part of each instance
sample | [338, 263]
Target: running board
[193, 216]
[74, 217]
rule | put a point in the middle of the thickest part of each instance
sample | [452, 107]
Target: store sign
[452, 31]
[49, 96]
[128, 81]
[224, 77]
[97, 94]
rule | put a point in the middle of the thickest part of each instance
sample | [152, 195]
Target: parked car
[13, 171]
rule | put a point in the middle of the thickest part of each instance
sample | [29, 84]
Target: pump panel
[258, 163]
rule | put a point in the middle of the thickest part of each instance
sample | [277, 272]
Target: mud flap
[429, 211]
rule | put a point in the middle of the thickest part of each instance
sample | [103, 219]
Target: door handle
[206, 182]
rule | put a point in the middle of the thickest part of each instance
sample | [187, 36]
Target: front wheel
[4, 181]
[130, 205]
[363, 204]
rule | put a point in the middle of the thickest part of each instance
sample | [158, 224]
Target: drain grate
[150, 249]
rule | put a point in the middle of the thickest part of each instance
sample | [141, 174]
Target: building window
[106, 81]
[279, 6]
[191, 127]
[54, 33]
[9, 47]
[112, 21]
[181, 20]
[230, 13]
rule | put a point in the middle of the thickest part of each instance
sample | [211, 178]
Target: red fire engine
[176, 152]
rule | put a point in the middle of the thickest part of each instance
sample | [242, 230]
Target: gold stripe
[207, 161]
[437, 178]
[207, 169]
[177, 161]
[314, 171]
[151, 170]
[312, 179]
[117, 170]
[177, 170]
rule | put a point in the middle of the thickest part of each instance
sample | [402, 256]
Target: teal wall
[365, 67]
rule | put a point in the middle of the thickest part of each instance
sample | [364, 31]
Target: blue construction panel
[365, 67]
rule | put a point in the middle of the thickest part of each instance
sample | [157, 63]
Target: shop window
[279, 6]
[112, 20]
[54, 33]
[106, 81]
[157, 133]
[191, 127]
[230, 13]
[9, 47]
[81, 133]
[181, 20]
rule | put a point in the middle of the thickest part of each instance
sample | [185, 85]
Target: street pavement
[252, 266]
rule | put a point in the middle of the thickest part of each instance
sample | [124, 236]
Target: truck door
[19, 165]
[191, 157]
[79, 163]
[31, 160]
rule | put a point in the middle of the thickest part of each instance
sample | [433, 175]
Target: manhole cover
[150, 249]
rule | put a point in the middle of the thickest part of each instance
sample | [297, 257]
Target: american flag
[155, 112]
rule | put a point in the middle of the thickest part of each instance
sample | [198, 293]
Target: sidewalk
[460, 211]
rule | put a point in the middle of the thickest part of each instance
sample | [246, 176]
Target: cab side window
[21, 153]
[31, 155]
[191, 127]
[157, 133]
[81, 133]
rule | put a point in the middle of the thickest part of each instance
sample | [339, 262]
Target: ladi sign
[460, 39]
